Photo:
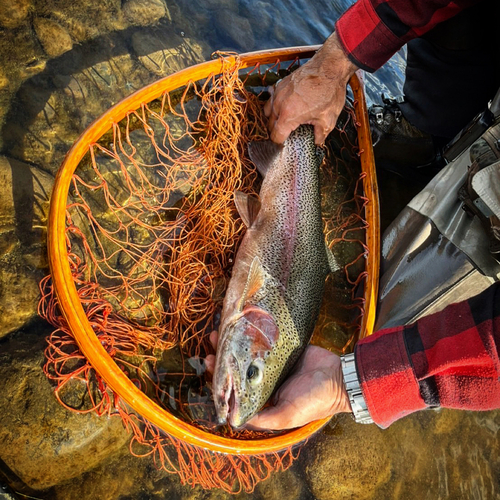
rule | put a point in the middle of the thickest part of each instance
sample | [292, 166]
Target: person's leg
[453, 71]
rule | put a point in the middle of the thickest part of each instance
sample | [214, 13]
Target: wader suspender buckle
[473, 204]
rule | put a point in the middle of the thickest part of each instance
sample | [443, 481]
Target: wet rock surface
[54, 38]
[144, 12]
[13, 12]
[24, 203]
[351, 463]
[41, 442]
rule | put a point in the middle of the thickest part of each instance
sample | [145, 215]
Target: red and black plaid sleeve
[371, 31]
[448, 359]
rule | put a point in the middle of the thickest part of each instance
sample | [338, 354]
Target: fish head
[242, 384]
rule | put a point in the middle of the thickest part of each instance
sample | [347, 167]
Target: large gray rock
[40, 441]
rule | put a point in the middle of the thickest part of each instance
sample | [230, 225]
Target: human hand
[314, 94]
[313, 390]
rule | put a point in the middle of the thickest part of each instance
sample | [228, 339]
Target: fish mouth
[234, 406]
[227, 404]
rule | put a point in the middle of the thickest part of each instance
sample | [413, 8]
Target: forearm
[371, 31]
[449, 359]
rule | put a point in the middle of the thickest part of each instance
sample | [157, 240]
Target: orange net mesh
[151, 231]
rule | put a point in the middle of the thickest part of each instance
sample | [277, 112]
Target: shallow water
[63, 64]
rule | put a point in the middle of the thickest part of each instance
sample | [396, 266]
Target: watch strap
[353, 388]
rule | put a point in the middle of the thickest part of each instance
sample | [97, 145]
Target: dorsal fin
[263, 154]
[256, 278]
[248, 207]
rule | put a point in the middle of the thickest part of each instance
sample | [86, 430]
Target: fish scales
[275, 292]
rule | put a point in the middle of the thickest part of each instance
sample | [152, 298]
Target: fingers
[281, 131]
[279, 124]
[273, 418]
[268, 107]
[210, 358]
[210, 363]
[286, 114]
[214, 339]
[324, 124]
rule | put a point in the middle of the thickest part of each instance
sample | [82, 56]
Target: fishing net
[150, 231]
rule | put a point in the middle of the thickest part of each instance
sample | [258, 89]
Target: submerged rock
[29, 60]
[19, 294]
[85, 19]
[24, 203]
[165, 53]
[13, 12]
[121, 476]
[53, 109]
[41, 442]
[144, 12]
[351, 463]
[262, 23]
[53, 37]
[282, 485]
[234, 29]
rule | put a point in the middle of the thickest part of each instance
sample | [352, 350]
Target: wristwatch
[351, 381]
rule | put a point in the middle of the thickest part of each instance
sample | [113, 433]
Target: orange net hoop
[83, 313]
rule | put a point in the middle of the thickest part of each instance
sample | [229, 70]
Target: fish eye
[252, 372]
[255, 372]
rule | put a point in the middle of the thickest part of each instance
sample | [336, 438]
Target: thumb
[320, 134]
[281, 416]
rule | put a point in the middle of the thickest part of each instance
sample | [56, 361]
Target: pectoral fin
[255, 281]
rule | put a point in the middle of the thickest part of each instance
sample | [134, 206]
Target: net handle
[67, 294]
[372, 208]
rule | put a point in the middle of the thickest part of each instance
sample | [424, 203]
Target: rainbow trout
[275, 291]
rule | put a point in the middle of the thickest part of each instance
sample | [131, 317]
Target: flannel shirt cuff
[367, 41]
[388, 381]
